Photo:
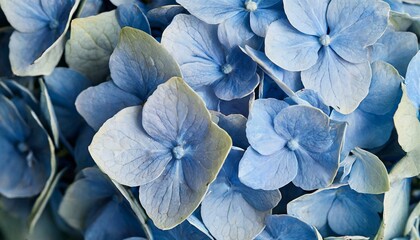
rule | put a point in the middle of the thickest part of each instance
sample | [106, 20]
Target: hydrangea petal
[315, 140]
[139, 63]
[91, 43]
[236, 30]
[355, 25]
[289, 48]
[213, 11]
[195, 47]
[260, 126]
[396, 48]
[307, 16]
[262, 18]
[413, 80]
[268, 172]
[368, 173]
[99, 103]
[342, 85]
[174, 115]
[25, 16]
[124, 151]
[286, 227]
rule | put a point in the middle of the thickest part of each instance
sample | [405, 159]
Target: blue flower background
[209, 119]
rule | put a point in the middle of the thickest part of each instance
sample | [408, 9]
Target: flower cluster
[209, 119]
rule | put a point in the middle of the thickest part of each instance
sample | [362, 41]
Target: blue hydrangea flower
[206, 63]
[234, 125]
[327, 41]
[93, 206]
[396, 48]
[239, 20]
[38, 42]
[185, 230]
[412, 80]
[290, 143]
[64, 85]
[232, 210]
[339, 210]
[287, 227]
[138, 65]
[26, 152]
[371, 124]
[170, 148]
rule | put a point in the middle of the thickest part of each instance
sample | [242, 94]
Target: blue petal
[234, 125]
[64, 85]
[195, 47]
[139, 63]
[213, 11]
[25, 16]
[163, 16]
[263, 17]
[242, 78]
[342, 85]
[286, 227]
[396, 48]
[315, 140]
[90, 8]
[370, 125]
[236, 31]
[289, 48]
[260, 128]
[308, 17]
[131, 15]
[354, 25]
[12, 125]
[99, 103]
[412, 80]
[237, 106]
[124, 151]
[268, 172]
[229, 199]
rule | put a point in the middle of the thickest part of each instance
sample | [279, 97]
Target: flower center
[325, 40]
[23, 147]
[293, 145]
[227, 68]
[178, 152]
[251, 5]
[54, 24]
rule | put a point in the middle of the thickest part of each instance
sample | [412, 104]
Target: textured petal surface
[176, 116]
[236, 31]
[262, 18]
[260, 126]
[123, 150]
[315, 141]
[213, 11]
[268, 172]
[289, 48]
[413, 80]
[286, 227]
[355, 25]
[98, 104]
[308, 16]
[342, 85]
[195, 47]
[91, 43]
[139, 63]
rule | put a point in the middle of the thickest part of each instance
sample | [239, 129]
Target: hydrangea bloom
[138, 65]
[338, 210]
[207, 63]
[93, 206]
[170, 148]
[287, 227]
[287, 144]
[38, 42]
[239, 20]
[327, 41]
[26, 152]
[232, 210]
